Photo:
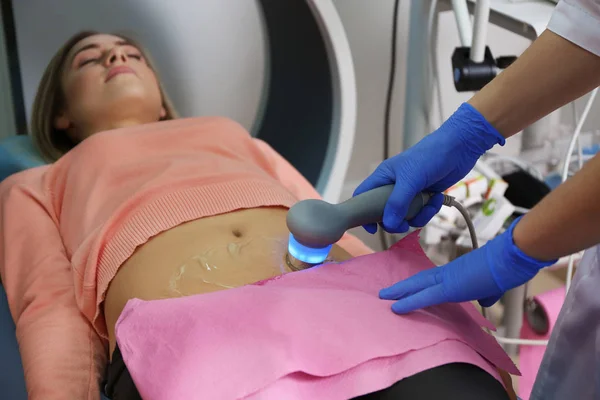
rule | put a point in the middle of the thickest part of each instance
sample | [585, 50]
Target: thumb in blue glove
[434, 164]
[483, 274]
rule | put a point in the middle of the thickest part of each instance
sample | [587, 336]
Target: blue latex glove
[483, 274]
[434, 164]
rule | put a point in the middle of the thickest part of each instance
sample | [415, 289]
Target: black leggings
[449, 382]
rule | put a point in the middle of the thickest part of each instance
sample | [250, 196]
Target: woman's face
[107, 84]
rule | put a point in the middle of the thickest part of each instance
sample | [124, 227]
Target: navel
[237, 233]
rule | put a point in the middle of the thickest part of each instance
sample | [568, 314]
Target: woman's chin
[133, 104]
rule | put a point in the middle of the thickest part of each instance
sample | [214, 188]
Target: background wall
[369, 31]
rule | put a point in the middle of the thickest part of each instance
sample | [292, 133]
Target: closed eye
[87, 61]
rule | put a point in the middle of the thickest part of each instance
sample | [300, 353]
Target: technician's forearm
[567, 220]
[549, 74]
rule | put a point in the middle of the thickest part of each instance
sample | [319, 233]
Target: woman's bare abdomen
[202, 256]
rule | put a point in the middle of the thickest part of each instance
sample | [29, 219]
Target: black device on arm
[471, 76]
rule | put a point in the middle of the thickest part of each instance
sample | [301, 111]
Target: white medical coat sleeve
[578, 21]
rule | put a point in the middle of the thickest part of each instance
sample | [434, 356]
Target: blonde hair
[53, 143]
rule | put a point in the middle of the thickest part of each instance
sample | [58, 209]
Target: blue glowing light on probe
[307, 254]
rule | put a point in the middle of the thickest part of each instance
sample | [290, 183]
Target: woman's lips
[121, 69]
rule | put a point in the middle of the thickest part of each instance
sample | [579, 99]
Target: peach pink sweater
[66, 228]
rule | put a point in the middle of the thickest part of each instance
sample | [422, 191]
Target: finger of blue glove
[428, 211]
[371, 228]
[396, 207]
[375, 180]
[489, 301]
[409, 286]
[431, 296]
[402, 228]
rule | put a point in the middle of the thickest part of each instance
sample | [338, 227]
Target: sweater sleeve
[297, 184]
[63, 357]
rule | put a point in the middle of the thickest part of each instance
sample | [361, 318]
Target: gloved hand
[483, 274]
[434, 164]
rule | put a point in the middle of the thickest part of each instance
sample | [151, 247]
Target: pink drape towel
[322, 333]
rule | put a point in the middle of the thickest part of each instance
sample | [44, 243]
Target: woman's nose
[116, 56]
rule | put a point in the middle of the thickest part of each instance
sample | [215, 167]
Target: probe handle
[368, 207]
[317, 224]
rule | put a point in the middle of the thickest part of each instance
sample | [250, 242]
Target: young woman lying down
[139, 205]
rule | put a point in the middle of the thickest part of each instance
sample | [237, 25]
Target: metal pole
[463, 22]
[513, 316]
[480, 25]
